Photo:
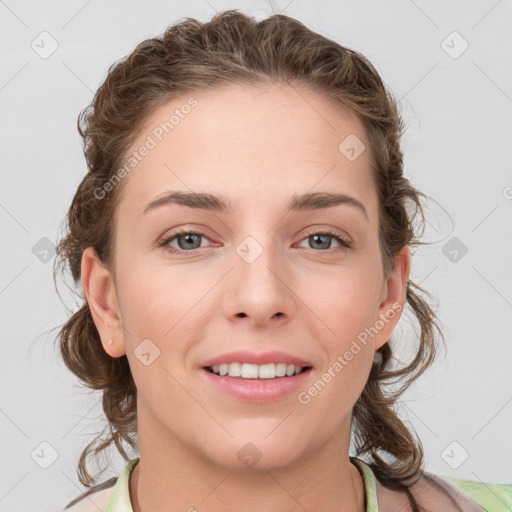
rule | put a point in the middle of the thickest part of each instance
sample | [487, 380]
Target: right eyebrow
[201, 201]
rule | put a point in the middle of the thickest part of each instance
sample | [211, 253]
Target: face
[261, 269]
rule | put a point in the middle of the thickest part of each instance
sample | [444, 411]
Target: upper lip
[273, 356]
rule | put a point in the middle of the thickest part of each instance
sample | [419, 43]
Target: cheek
[347, 350]
[348, 298]
[153, 297]
[164, 310]
[156, 306]
[347, 305]
[349, 347]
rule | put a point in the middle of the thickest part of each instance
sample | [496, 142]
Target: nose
[259, 289]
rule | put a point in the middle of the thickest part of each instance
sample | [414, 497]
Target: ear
[393, 296]
[100, 292]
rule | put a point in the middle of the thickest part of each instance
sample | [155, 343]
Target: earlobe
[100, 293]
[394, 296]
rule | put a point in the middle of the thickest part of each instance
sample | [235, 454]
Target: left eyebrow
[297, 202]
[321, 200]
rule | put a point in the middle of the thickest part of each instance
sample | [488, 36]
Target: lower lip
[257, 390]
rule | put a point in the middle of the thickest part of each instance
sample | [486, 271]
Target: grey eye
[192, 241]
[324, 241]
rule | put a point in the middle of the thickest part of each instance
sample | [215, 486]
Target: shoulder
[440, 492]
[94, 499]
[436, 493]
[98, 497]
[491, 497]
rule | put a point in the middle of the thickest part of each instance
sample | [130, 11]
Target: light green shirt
[491, 497]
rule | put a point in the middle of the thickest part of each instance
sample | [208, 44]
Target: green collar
[491, 497]
[120, 498]
[370, 485]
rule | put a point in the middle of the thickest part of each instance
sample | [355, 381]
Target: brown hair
[234, 48]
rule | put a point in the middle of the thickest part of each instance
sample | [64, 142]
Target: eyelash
[330, 232]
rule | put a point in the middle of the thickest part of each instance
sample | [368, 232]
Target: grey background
[457, 109]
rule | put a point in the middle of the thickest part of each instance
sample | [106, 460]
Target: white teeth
[249, 371]
[280, 369]
[254, 371]
[234, 370]
[267, 371]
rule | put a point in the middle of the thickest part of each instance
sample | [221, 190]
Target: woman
[243, 242]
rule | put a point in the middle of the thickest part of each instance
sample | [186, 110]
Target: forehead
[251, 139]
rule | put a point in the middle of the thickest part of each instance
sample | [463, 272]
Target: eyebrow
[297, 202]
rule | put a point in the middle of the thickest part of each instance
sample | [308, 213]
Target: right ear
[100, 292]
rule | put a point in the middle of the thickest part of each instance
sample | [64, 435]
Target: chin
[260, 455]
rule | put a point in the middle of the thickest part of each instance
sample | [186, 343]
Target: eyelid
[198, 229]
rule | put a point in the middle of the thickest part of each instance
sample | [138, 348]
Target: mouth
[257, 372]
[253, 383]
[263, 377]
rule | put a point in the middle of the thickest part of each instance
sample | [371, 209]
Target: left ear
[393, 296]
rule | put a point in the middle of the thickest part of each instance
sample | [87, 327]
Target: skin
[257, 147]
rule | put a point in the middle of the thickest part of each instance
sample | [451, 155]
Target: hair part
[233, 48]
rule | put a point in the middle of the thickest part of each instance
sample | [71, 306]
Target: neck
[171, 477]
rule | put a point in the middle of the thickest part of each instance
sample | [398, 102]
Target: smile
[250, 387]
[255, 371]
